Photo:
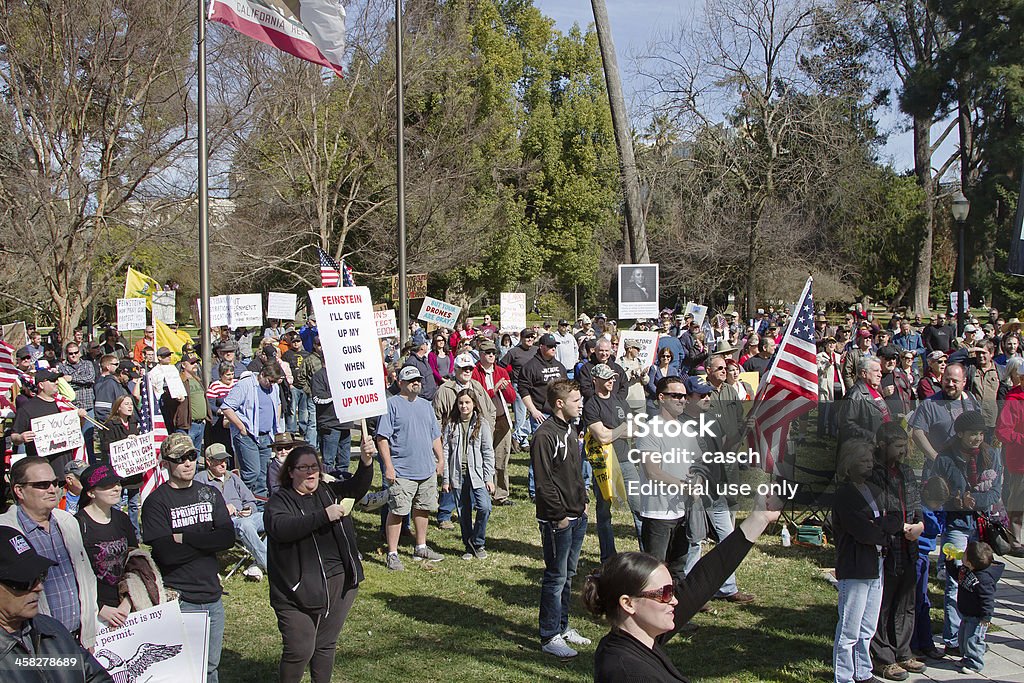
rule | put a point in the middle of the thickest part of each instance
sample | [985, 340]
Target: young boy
[933, 495]
[976, 601]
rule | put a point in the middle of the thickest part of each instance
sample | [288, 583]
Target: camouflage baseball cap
[176, 445]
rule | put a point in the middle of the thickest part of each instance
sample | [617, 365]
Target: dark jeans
[561, 554]
[467, 498]
[666, 539]
[336, 445]
[253, 453]
[310, 639]
[895, 619]
[922, 639]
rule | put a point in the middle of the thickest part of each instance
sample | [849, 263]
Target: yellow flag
[165, 336]
[140, 286]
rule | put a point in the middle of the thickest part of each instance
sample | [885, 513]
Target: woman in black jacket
[122, 423]
[861, 530]
[312, 559]
[637, 594]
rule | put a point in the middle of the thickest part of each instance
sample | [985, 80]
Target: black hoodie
[558, 471]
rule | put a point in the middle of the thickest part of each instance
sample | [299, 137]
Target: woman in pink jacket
[1010, 431]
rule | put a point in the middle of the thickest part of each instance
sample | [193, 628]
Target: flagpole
[403, 287]
[204, 199]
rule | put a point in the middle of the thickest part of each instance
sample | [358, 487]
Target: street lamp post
[961, 207]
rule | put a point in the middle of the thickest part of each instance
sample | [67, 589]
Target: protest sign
[236, 310]
[58, 433]
[438, 312]
[647, 341]
[352, 355]
[387, 324]
[134, 455]
[751, 378]
[131, 314]
[415, 284]
[163, 306]
[218, 311]
[697, 311]
[197, 640]
[15, 334]
[513, 311]
[954, 297]
[150, 646]
[638, 290]
[281, 306]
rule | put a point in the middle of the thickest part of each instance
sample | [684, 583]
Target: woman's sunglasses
[662, 595]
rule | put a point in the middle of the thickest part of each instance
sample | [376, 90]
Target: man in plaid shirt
[81, 375]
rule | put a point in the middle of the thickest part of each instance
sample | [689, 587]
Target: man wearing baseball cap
[24, 631]
[851, 363]
[42, 404]
[241, 506]
[538, 372]
[496, 382]
[187, 524]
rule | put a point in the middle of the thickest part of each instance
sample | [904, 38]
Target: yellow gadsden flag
[165, 336]
[140, 286]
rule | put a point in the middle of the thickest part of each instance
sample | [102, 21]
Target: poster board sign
[751, 378]
[513, 310]
[954, 298]
[245, 310]
[164, 306]
[439, 312]
[416, 283]
[386, 322]
[134, 455]
[648, 342]
[197, 640]
[698, 312]
[15, 334]
[638, 290]
[218, 311]
[58, 433]
[281, 305]
[131, 314]
[150, 646]
[352, 356]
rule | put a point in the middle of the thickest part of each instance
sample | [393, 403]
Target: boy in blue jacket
[933, 495]
[976, 601]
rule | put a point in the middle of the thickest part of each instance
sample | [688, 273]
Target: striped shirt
[61, 586]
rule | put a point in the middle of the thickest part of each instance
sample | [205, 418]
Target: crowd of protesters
[261, 455]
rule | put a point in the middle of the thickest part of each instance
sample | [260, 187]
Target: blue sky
[636, 22]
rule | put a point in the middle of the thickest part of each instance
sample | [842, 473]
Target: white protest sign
[697, 311]
[954, 297]
[134, 455]
[513, 310]
[197, 639]
[245, 310]
[150, 646]
[355, 368]
[57, 433]
[438, 312]
[281, 305]
[163, 307]
[218, 311]
[647, 341]
[387, 324]
[131, 314]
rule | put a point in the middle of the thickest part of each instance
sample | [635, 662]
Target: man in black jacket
[561, 512]
[24, 632]
[602, 354]
[863, 410]
[536, 375]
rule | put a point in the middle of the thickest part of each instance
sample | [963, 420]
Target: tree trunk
[923, 259]
[635, 234]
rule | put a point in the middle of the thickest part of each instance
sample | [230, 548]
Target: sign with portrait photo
[638, 290]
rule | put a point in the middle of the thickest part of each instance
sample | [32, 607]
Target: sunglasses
[674, 394]
[26, 586]
[191, 456]
[662, 595]
[42, 485]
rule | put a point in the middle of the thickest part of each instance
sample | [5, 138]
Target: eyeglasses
[26, 586]
[191, 456]
[662, 595]
[42, 485]
[306, 468]
[674, 394]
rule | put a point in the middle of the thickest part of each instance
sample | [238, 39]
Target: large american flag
[8, 370]
[330, 271]
[789, 388]
[151, 420]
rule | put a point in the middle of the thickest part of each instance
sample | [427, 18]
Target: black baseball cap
[19, 562]
[547, 340]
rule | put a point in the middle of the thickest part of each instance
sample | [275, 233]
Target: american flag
[151, 420]
[330, 272]
[346, 275]
[8, 370]
[789, 388]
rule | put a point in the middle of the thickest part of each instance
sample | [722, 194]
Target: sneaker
[913, 666]
[573, 637]
[893, 672]
[394, 564]
[969, 671]
[557, 647]
[468, 556]
[253, 573]
[426, 554]
[504, 502]
[952, 651]
[446, 524]
[481, 554]
[373, 501]
[932, 654]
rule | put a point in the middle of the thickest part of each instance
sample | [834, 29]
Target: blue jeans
[561, 554]
[336, 446]
[215, 610]
[89, 431]
[302, 419]
[131, 501]
[248, 530]
[859, 602]
[721, 521]
[922, 638]
[467, 498]
[446, 506]
[195, 432]
[253, 455]
[972, 642]
[521, 431]
[950, 613]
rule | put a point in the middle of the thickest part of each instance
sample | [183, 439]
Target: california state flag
[313, 30]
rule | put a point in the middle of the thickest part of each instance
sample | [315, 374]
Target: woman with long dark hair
[468, 447]
[312, 559]
[122, 423]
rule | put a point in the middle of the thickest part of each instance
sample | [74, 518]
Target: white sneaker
[557, 647]
[573, 637]
[253, 573]
[373, 501]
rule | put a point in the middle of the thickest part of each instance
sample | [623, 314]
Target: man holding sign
[43, 404]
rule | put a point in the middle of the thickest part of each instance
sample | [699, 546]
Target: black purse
[992, 530]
